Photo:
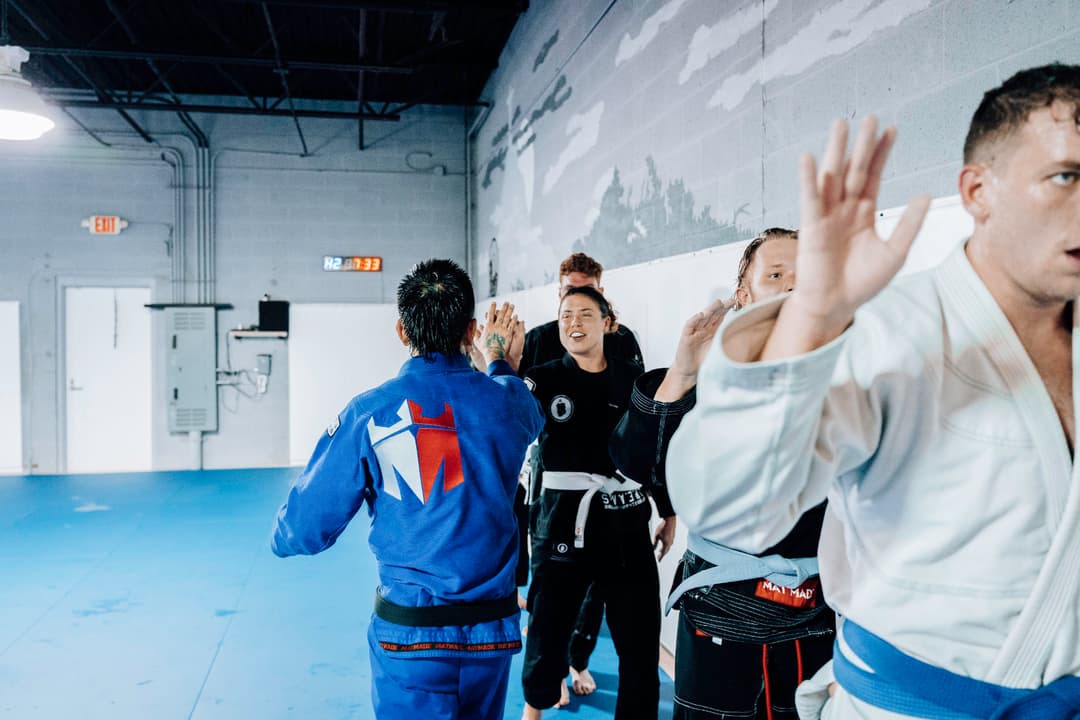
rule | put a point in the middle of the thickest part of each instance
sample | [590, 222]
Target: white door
[11, 458]
[108, 364]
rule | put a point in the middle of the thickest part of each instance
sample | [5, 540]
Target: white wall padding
[336, 351]
[11, 439]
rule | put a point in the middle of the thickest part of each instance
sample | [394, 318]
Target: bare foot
[583, 682]
[564, 697]
[530, 713]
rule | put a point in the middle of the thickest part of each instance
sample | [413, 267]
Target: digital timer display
[338, 263]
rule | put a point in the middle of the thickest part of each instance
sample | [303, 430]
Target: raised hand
[697, 336]
[841, 262]
[498, 333]
[476, 350]
[517, 344]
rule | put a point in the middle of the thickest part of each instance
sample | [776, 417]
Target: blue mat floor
[155, 595]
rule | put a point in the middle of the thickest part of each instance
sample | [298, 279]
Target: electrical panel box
[191, 368]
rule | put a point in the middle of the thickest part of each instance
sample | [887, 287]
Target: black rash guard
[616, 555]
[582, 409]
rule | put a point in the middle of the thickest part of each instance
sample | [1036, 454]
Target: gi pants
[742, 680]
[586, 629]
[437, 688]
[620, 562]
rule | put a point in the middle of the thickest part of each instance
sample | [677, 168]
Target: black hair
[435, 303]
[1006, 108]
[593, 294]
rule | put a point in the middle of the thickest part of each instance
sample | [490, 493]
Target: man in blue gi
[435, 454]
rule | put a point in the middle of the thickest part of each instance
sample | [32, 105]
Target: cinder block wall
[276, 215]
[642, 129]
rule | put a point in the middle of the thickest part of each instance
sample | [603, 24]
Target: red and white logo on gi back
[415, 449]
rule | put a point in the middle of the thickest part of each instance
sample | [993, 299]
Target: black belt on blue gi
[436, 615]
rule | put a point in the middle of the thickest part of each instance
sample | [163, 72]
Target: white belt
[591, 483]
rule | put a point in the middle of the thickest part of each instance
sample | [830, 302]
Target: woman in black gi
[591, 525]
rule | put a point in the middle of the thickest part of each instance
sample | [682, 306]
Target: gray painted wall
[641, 129]
[631, 129]
[277, 214]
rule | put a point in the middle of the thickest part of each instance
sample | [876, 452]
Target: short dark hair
[1005, 109]
[591, 293]
[435, 303]
[581, 263]
[751, 250]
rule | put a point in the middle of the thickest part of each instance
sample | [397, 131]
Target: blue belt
[902, 684]
[734, 565]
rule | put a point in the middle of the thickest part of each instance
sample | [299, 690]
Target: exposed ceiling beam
[162, 78]
[166, 106]
[102, 95]
[212, 24]
[361, 51]
[283, 73]
[271, 63]
[488, 7]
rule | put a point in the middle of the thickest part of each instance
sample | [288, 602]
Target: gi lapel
[1023, 659]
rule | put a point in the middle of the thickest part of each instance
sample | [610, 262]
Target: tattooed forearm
[496, 345]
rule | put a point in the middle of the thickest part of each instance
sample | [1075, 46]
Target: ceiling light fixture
[23, 115]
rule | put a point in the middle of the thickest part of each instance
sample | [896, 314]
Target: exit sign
[105, 224]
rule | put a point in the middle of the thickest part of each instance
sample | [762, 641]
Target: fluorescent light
[23, 114]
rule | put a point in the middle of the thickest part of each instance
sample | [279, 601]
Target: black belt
[435, 615]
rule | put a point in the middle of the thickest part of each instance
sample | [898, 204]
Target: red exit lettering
[104, 225]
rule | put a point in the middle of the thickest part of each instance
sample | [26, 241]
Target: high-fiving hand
[697, 336]
[841, 262]
[497, 337]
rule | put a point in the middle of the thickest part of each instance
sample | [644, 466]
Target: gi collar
[569, 361]
[438, 363]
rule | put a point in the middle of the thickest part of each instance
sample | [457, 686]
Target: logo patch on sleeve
[332, 428]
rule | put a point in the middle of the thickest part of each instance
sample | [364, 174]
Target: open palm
[841, 262]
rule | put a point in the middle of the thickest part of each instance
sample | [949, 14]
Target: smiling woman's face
[581, 326]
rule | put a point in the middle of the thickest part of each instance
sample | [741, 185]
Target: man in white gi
[936, 415]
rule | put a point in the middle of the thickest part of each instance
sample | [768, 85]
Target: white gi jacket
[953, 525]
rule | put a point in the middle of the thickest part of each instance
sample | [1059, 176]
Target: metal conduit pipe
[172, 234]
[211, 204]
[468, 197]
[211, 251]
[208, 232]
[182, 244]
[200, 293]
[173, 158]
[182, 236]
[200, 213]
[181, 227]
[470, 133]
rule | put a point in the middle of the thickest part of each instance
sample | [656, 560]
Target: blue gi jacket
[435, 453]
